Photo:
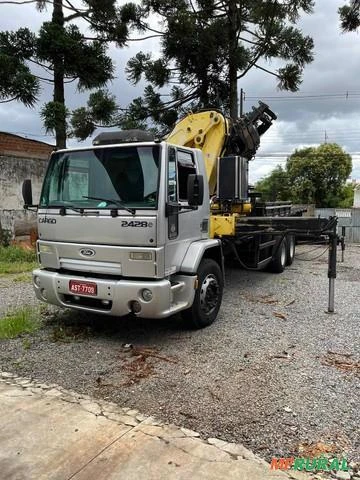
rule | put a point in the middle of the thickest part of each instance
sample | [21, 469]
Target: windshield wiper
[113, 201]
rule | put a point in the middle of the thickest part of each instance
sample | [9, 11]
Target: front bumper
[117, 297]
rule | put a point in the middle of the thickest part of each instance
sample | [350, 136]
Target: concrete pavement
[49, 433]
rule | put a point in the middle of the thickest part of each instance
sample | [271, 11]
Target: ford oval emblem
[87, 252]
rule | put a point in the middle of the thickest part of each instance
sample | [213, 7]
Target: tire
[208, 296]
[290, 249]
[278, 262]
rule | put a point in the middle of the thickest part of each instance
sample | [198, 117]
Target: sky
[325, 109]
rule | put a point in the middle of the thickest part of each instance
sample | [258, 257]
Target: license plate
[82, 288]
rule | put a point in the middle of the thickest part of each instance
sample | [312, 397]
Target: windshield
[103, 178]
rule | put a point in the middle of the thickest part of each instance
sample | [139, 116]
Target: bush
[16, 260]
[17, 254]
[5, 237]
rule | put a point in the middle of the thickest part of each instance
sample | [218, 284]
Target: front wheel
[208, 295]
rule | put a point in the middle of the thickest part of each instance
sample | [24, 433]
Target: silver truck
[133, 225]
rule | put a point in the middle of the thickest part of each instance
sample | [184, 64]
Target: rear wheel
[208, 295]
[278, 262]
[290, 249]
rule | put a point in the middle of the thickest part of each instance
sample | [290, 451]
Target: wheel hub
[209, 294]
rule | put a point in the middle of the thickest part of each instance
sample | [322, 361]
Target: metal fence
[349, 218]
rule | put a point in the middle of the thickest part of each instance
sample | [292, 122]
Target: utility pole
[242, 96]
[325, 137]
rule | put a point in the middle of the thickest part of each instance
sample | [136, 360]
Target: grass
[15, 259]
[20, 321]
[22, 277]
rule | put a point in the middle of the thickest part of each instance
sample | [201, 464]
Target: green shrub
[17, 254]
[15, 259]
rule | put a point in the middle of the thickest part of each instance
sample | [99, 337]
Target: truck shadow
[70, 325]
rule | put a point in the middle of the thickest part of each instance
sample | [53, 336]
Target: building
[20, 158]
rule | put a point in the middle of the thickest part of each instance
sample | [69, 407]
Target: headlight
[140, 255]
[45, 248]
[147, 295]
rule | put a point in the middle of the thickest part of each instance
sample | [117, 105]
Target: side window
[186, 166]
[172, 176]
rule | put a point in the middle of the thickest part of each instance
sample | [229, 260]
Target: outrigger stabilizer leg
[333, 243]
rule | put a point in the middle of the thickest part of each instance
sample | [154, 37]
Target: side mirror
[195, 190]
[27, 193]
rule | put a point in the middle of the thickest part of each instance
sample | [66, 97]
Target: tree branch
[24, 2]
[9, 2]
[40, 65]
[266, 70]
[76, 15]
[45, 79]
[80, 13]
[143, 38]
[71, 7]
[251, 64]
[8, 101]
[253, 33]
[248, 41]
[145, 25]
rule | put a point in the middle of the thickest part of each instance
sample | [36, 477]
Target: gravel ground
[274, 372]
[14, 293]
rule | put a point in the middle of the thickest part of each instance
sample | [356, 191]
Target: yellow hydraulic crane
[217, 136]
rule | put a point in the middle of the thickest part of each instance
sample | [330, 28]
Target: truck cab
[124, 228]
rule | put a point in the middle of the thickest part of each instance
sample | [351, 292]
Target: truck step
[177, 286]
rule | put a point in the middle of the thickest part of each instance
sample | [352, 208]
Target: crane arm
[206, 130]
[217, 135]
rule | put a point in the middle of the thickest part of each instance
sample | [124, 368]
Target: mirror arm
[31, 208]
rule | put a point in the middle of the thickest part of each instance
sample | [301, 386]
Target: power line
[343, 95]
[315, 155]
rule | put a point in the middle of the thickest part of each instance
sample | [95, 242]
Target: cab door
[183, 223]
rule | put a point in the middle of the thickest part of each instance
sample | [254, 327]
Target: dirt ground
[274, 372]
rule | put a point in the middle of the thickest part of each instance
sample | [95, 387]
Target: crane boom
[217, 135]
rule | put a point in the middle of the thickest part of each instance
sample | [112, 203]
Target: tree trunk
[59, 95]
[233, 90]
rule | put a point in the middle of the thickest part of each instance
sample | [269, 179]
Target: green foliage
[66, 54]
[16, 79]
[100, 111]
[317, 174]
[53, 115]
[274, 187]
[350, 16]
[16, 260]
[22, 278]
[16, 254]
[19, 322]
[313, 175]
[5, 237]
[346, 196]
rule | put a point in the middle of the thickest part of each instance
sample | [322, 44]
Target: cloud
[304, 118]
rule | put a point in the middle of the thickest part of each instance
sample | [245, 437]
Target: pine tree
[350, 16]
[207, 46]
[66, 55]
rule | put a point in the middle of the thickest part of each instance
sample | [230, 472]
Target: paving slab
[52, 434]
[46, 438]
